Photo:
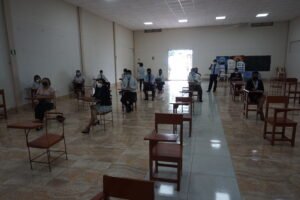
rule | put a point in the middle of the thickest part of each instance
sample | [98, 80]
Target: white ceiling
[165, 13]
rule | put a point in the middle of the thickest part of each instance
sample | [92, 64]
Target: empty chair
[186, 116]
[48, 140]
[126, 188]
[292, 88]
[279, 120]
[163, 148]
[3, 105]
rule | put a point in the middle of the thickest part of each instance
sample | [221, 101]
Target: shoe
[86, 131]
[214, 91]
[207, 90]
[38, 129]
[200, 101]
[262, 117]
[146, 99]
[152, 99]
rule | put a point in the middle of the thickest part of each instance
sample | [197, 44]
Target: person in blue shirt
[141, 74]
[160, 81]
[129, 86]
[214, 72]
[149, 84]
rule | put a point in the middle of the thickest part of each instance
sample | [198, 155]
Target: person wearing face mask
[194, 80]
[255, 84]
[36, 82]
[103, 103]
[160, 81]
[141, 74]
[78, 84]
[44, 99]
[129, 86]
[102, 76]
[149, 84]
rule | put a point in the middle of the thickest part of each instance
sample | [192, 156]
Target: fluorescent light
[220, 17]
[148, 23]
[262, 15]
[183, 21]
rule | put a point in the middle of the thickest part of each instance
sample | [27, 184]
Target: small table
[235, 85]
[180, 103]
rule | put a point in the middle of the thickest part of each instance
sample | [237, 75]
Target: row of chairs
[3, 104]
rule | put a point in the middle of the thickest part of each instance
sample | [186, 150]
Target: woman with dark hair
[36, 82]
[44, 99]
[103, 102]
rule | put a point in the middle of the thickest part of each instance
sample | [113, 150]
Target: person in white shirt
[78, 84]
[160, 81]
[194, 80]
[231, 65]
[241, 66]
[129, 86]
[149, 84]
[36, 82]
[213, 79]
[141, 74]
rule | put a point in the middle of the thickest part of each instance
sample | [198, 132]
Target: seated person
[44, 99]
[124, 74]
[236, 75]
[102, 76]
[129, 86]
[255, 84]
[103, 103]
[160, 81]
[149, 84]
[36, 82]
[78, 84]
[194, 80]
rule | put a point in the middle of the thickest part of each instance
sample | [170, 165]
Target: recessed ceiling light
[220, 17]
[148, 23]
[262, 15]
[183, 21]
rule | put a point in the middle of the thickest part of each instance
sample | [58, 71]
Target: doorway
[179, 64]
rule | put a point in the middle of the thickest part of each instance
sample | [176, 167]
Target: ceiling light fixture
[220, 17]
[262, 15]
[148, 23]
[183, 21]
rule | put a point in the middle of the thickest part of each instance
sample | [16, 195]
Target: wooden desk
[179, 103]
[27, 126]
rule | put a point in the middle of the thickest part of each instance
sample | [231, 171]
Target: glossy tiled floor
[260, 171]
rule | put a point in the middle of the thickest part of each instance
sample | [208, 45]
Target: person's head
[255, 75]
[141, 64]
[37, 78]
[46, 83]
[215, 61]
[148, 71]
[236, 70]
[124, 70]
[129, 73]
[196, 69]
[101, 71]
[78, 73]
[160, 71]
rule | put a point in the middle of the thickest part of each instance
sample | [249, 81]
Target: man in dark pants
[214, 68]
[149, 84]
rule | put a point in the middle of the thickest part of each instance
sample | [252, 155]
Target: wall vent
[152, 31]
[262, 24]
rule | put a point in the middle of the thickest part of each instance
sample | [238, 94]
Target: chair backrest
[2, 102]
[57, 116]
[170, 119]
[127, 188]
[291, 83]
[284, 100]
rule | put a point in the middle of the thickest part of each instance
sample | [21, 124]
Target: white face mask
[99, 85]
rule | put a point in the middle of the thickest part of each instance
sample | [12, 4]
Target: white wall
[98, 47]
[124, 49]
[209, 42]
[293, 51]
[5, 72]
[46, 41]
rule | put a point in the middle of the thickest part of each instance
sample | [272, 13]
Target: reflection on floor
[263, 172]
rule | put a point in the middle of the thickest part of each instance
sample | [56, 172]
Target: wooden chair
[277, 86]
[292, 88]
[47, 141]
[187, 117]
[279, 121]
[248, 103]
[126, 188]
[103, 120]
[164, 149]
[3, 104]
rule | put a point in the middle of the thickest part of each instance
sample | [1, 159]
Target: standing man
[149, 84]
[141, 74]
[129, 86]
[214, 72]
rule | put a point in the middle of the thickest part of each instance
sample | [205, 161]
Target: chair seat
[280, 121]
[45, 141]
[167, 152]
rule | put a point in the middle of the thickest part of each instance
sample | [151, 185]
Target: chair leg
[48, 157]
[293, 136]
[156, 166]
[190, 129]
[265, 129]
[178, 175]
[65, 149]
[29, 155]
[150, 169]
[273, 135]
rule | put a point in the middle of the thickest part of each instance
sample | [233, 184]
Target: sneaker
[207, 90]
